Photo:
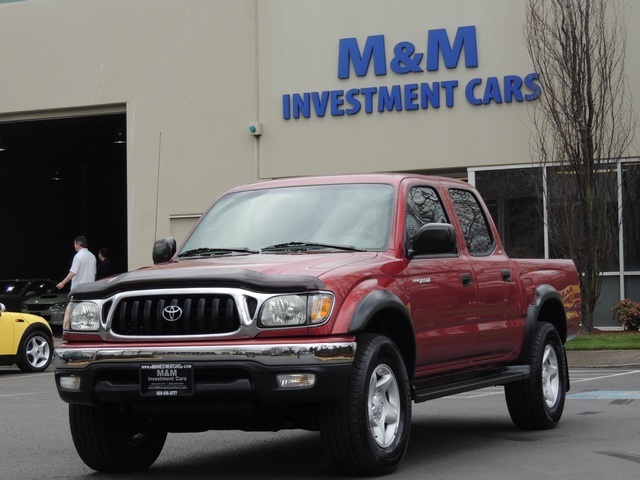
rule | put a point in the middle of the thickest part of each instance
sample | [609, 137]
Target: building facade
[218, 93]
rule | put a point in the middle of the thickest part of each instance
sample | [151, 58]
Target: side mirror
[163, 250]
[435, 238]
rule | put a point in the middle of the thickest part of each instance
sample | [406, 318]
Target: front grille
[199, 315]
[36, 307]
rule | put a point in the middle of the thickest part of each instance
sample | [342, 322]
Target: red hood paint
[315, 264]
[312, 271]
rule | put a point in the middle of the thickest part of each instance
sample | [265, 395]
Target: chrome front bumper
[319, 353]
[90, 375]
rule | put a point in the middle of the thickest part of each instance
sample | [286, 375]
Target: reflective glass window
[514, 200]
[631, 215]
[569, 236]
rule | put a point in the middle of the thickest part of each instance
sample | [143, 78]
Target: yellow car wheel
[36, 351]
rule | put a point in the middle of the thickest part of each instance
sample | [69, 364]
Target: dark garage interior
[62, 178]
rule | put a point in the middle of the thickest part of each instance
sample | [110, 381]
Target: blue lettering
[389, 100]
[512, 86]
[535, 89]
[353, 101]
[368, 93]
[336, 102]
[286, 107]
[301, 105]
[468, 91]
[410, 95]
[438, 42]
[448, 88]
[492, 91]
[349, 54]
[320, 102]
[429, 95]
[405, 59]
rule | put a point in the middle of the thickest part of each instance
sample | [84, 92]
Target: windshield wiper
[303, 246]
[211, 251]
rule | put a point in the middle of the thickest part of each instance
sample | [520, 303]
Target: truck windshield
[346, 215]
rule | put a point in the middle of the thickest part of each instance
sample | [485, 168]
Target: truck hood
[263, 272]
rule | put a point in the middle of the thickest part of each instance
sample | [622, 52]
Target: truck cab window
[473, 222]
[423, 206]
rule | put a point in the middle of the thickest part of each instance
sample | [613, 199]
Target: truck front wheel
[537, 402]
[111, 438]
[367, 431]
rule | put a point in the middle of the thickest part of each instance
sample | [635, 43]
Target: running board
[428, 391]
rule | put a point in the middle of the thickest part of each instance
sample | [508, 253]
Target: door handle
[467, 281]
[506, 275]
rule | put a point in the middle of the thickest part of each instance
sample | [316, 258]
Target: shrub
[627, 313]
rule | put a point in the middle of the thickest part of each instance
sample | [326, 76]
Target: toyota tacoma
[329, 304]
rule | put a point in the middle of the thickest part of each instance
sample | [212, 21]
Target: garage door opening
[62, 178]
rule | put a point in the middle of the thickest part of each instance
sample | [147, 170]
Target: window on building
[515, 203]
[514, 199]
[568, 237]
[609, 296]
[631, 216]
[632, 287]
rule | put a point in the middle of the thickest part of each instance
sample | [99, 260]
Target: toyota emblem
[172, 313]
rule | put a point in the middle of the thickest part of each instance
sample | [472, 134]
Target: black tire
[36, 352]
[367, 430]
[111, 438]
[537, 402]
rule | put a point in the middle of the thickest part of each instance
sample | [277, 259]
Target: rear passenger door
[500, 322]
[442, 295]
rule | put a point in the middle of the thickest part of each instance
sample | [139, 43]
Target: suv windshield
[11, 287]
[357, 216]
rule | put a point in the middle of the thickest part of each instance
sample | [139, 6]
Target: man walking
[83, 267]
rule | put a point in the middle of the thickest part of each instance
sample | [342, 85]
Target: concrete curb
[604, 358]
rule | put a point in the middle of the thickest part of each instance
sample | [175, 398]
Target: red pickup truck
[322, 303]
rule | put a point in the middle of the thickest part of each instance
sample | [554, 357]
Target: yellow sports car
[26, 340]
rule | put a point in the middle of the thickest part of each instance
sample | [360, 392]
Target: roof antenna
[158, 186]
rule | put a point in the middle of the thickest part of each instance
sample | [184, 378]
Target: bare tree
[583, 124]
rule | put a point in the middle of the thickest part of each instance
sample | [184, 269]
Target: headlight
[58, 306]
[293, 310]
[83, 317]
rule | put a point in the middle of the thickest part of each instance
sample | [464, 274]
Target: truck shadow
[295, 454]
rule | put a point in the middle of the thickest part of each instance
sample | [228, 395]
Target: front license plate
[166, 380]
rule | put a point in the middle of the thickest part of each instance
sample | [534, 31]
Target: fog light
[70, 383]
[296, 380]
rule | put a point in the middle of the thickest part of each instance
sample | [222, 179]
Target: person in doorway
[104, 268]
[83, 267]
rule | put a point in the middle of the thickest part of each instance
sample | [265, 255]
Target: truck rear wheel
[367, 431]
[110, 438]
[537, 402]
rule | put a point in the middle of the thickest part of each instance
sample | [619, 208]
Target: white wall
[184, 70]
[299, 53]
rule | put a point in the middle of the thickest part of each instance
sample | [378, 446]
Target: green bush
[627, 313]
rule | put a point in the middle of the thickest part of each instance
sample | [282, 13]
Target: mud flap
[566, 369]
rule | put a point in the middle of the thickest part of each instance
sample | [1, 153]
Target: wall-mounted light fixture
[255, 128]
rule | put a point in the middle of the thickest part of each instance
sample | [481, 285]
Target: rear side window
[473, 222]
